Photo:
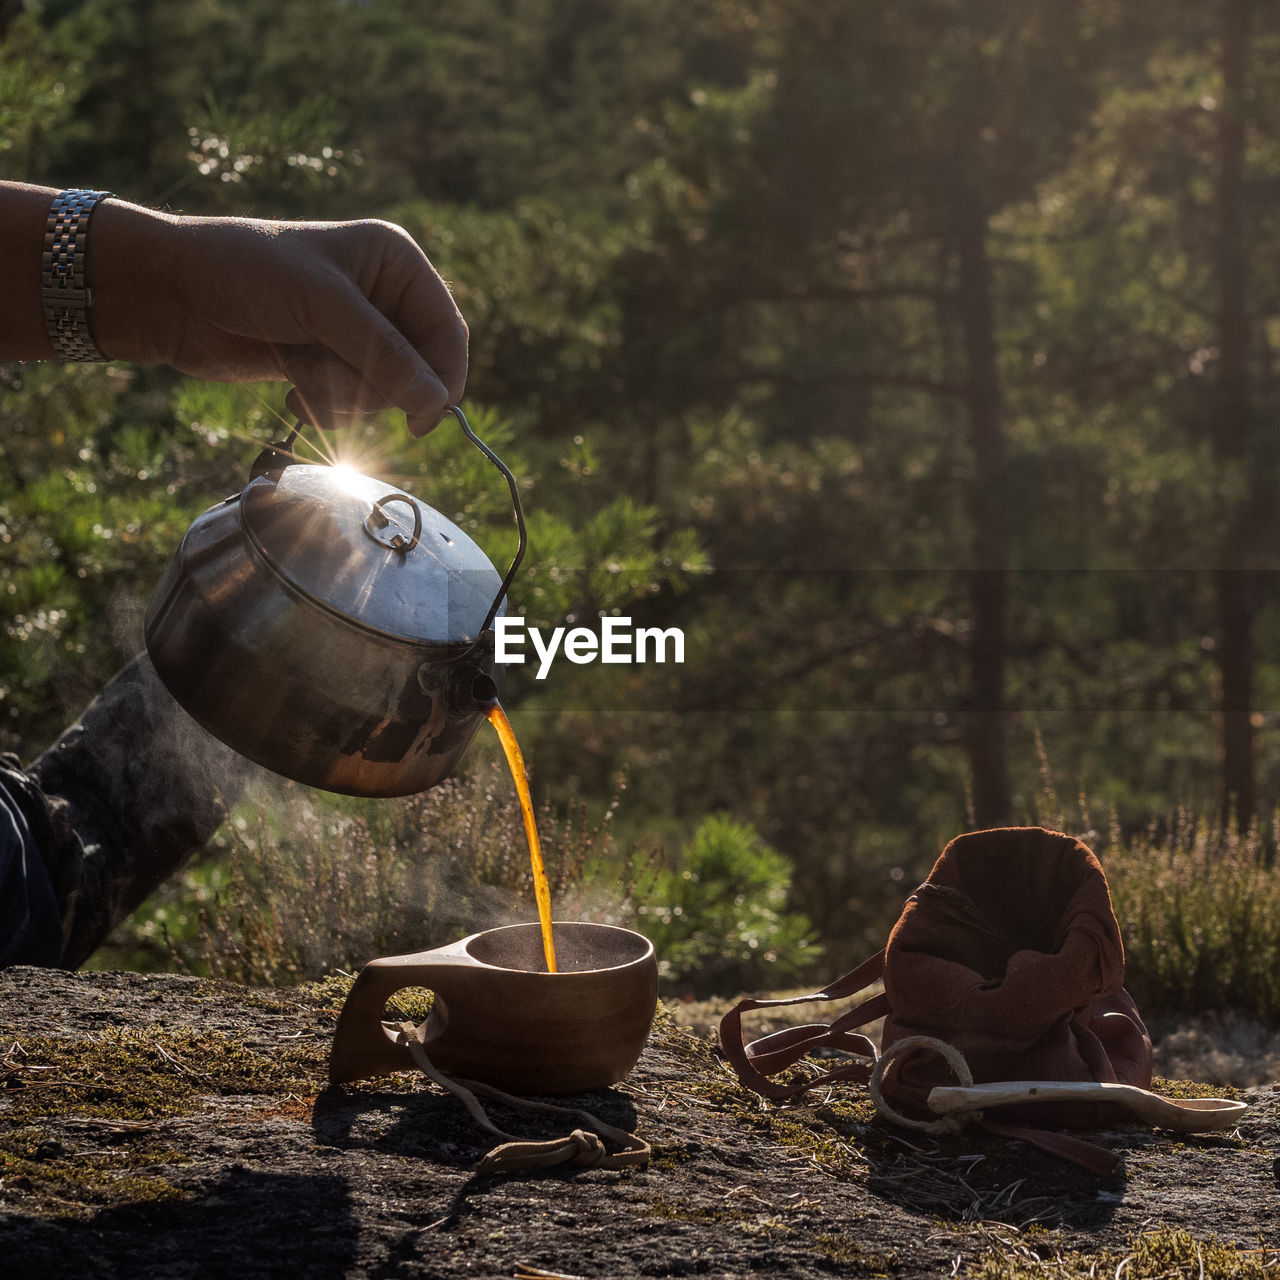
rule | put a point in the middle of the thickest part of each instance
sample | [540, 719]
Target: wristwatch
[63, 292]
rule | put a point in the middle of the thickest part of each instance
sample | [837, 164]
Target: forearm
[23, 212]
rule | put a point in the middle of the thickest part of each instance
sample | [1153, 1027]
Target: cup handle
[362, 1046]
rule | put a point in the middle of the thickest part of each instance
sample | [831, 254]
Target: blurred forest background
[917, 359]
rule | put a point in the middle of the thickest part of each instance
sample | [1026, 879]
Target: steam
[318, 884]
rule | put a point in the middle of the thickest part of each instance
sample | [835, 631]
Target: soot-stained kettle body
[332, 627]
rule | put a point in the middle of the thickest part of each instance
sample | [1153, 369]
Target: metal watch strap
[64, 294]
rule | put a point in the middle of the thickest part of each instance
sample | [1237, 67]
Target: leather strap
[754, 1063]
[1079, 1151]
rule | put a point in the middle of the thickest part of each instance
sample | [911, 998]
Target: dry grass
[1198, 906]
[1159, 1254]
[1200, 912]
[305, 886]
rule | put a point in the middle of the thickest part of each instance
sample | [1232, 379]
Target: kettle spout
[484, 692]
[469, 686]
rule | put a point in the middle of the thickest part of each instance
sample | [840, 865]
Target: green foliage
[289, 154]
[38, 89]
[96, 489]
[718, 917]
[1200, 915]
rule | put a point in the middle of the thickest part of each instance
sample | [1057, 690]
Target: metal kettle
[332, 627]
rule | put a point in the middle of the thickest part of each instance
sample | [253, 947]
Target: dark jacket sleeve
[30, 923]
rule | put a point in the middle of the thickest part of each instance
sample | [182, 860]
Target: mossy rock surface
[155, 1126]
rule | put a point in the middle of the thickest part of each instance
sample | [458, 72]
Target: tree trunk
[988, 576]
[1233, 577]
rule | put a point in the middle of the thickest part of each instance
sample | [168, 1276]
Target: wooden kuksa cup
[501, 1018]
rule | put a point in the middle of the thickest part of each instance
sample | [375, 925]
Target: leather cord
[584, 1146]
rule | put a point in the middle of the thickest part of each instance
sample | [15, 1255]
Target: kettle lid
[370, 552]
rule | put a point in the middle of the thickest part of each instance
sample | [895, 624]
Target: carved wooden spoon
[1188, 1115]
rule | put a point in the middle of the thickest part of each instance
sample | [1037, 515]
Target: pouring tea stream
[520, 776]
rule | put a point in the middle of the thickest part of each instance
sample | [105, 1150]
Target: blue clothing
[30, 924]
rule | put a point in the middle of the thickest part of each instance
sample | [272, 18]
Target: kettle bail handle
[519, 514]
[276, 456]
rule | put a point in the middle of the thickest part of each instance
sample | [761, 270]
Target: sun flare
[348, 477]
[352, 458]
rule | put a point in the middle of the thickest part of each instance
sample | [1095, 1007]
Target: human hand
[352, 313]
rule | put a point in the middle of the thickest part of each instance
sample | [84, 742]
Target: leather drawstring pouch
[1008, 955]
